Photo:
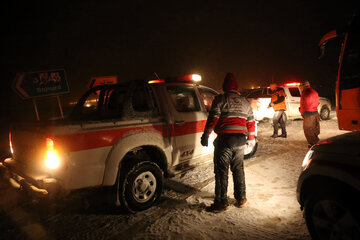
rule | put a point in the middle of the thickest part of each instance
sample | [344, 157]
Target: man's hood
[229, 83]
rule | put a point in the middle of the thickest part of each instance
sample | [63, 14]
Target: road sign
[40, 84]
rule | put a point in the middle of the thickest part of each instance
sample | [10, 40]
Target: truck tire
[332, 214]
[250, 152]
[325, 113]
[141, 186]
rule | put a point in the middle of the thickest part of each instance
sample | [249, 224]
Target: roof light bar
[156, 81]
[186, 78]
[190, 77]
[293, 84]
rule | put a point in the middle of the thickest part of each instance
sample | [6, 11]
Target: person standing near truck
[279, 106]
[231, 117]
[309, 102]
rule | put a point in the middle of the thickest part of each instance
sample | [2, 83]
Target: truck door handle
[179, 122]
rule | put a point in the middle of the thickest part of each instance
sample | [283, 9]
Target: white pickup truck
[261, 97]
[125, 136]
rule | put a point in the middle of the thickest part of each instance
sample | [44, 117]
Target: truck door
[348, 84]
[293, 102]
[187, 121]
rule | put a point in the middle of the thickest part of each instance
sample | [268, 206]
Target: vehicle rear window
[101, 104]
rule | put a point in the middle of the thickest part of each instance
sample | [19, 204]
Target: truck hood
[324, 99]
[347, 144]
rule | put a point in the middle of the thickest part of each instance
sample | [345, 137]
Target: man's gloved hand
[204, 140]
[251, 143]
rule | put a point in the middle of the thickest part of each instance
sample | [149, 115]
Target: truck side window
[184, 99]
[207, 96]
[350, 77]
[294, 91]
[140, 100]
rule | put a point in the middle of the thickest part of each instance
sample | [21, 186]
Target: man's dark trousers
[229, 151]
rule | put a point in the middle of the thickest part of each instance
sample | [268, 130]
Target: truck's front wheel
[250, 151]
[141, 186]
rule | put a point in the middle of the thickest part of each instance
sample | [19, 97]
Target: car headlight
[307, 159]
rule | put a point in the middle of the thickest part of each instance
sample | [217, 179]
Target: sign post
[32, 85]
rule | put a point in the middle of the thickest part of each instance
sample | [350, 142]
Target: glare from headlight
[52, 161]
[307, 159]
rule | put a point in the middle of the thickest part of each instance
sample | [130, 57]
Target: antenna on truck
[157, 76]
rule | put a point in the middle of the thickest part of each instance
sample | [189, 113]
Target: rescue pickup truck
[126, 136]
[260, 99]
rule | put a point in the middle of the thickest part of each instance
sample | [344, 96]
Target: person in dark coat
[231, 117]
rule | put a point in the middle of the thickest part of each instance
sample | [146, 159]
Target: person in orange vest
[279, 106]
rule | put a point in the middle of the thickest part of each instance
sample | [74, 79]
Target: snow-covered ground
[272, 211]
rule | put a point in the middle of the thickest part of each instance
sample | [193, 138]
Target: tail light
[10, 144]
[52, 160]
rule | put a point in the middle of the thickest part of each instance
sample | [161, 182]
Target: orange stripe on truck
[106, 138]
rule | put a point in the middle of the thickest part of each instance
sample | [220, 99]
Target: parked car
[328, 188]
[261, 97]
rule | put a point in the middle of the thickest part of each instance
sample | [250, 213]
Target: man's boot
[240, 203]
[217, 207]
[283, 135]
[275, 135]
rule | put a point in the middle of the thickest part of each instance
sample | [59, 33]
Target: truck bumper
[42, 187]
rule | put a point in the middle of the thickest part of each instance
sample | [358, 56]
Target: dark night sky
[132, 39]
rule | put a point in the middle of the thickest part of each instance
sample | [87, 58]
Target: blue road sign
[40, 84]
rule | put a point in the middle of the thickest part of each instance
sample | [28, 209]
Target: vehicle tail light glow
[156, 81]
[190, 77]
[196, 77]
[52, 160]
[293, 84]
[10, 144]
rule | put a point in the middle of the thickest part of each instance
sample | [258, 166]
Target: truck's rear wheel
[325, 113]
[141, 186]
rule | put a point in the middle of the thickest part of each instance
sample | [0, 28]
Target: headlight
[307, 159]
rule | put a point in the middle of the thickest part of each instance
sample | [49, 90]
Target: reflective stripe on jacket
[231, 113]
[278, 99]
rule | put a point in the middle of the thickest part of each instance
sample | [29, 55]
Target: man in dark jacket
[231, 117]
[279, 106]
[309, 102]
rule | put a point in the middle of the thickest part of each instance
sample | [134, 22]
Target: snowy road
[272, 211]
